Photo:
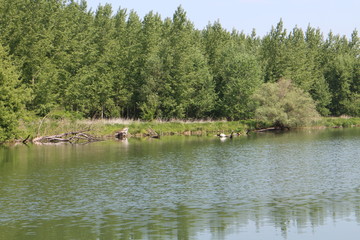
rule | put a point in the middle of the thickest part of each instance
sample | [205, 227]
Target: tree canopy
[104, 64]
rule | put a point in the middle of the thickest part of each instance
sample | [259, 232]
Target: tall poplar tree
[188, 87]
[151, 67]
[118, 54]
[132, 61]
[273, 53]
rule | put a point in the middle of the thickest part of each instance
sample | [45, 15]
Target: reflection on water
[266, 186]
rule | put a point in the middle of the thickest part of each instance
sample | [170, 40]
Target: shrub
[284, 105]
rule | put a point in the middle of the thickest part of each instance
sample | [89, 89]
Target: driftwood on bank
[70, 137]
[266, 129]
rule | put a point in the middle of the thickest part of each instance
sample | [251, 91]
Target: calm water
[295, 185]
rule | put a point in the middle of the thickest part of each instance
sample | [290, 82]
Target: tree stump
[122, 134]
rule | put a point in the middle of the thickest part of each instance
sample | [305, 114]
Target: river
[293, 185]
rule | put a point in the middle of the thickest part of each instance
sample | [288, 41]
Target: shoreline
[107, 128]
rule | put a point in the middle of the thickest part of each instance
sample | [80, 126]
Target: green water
[294, 185]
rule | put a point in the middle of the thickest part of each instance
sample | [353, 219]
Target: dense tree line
[57, 54]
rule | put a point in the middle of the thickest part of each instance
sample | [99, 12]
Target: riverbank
[106, 128]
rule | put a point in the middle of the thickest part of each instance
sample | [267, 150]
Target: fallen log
[70, 137]
[266, 129]
[58, 140]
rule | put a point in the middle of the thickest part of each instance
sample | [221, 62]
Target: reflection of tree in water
[311, 212]
[186, 222]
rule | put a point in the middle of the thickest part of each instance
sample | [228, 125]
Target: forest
[58, 54]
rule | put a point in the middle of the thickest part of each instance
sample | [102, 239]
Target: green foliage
[104, 65]
[240, 76]
[341, 77]
[252, 124]
[273, 53]
[339, 122]
[284, 104]
[59, 114]
[297, 57]
[12, 97]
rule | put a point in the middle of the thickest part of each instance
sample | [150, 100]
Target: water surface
[294, 185]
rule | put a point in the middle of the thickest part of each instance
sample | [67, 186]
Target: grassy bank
[337, 122]
[108, 127]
